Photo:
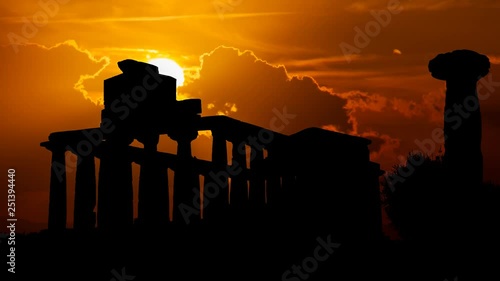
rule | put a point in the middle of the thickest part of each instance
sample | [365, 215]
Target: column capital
[219, 133]
[459, 65]
[53, 147]
[183, 135]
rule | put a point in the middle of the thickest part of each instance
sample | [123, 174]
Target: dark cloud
[241, 85]
[255, 90]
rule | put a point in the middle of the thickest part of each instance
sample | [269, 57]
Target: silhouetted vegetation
[410, 194]
[418, 199]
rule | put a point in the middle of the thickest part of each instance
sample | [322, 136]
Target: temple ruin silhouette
[318, 178]
[287, 193]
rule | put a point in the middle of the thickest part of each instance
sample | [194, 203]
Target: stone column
[288, 175]
[461, 69]
[219, 149]
[186, 180]
[463, 160]
[57, 197]
[273, 180]
[153, 189]
[85, 194]
[257, 180]
[239, 186]
[216, 182]
[115, 201]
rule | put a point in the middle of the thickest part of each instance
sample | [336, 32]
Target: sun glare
[170, 68]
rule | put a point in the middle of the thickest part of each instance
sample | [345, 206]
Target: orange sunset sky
[243, 59]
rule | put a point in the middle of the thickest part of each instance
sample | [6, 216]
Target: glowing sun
[170, 68]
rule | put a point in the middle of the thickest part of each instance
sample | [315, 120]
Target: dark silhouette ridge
[422, 210]
[307, 207]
